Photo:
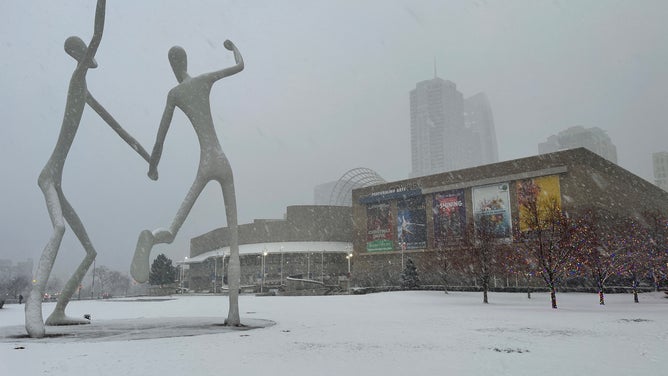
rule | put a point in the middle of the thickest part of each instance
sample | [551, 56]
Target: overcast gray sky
[325, 90]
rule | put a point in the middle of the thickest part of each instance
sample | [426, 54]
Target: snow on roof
[286, 247]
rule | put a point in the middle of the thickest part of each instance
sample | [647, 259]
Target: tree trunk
[528, 292]
[553, 296]
[635, 291]
[601, 298]
[485, 287]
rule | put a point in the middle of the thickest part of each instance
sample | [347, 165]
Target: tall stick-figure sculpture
[60, 210]
[191, 95]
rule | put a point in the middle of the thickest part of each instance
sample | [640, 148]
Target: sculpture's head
[179, 61]
[76, 48]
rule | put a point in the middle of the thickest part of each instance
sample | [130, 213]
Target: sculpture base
[134, 329]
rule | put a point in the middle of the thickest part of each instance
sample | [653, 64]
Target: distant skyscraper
[447, 132]
[479, 119]
[660, 163]
[322, 193]
[595, 139]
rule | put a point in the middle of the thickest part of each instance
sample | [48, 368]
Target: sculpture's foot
[139, 268]
[58, 318]
[34, 321]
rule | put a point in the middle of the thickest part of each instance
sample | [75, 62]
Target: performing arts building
[415, 218]
[308, 250]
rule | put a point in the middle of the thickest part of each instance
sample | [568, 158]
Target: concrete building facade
[417, 217]
[311, 243]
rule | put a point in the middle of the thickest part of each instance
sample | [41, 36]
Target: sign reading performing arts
[380, 232]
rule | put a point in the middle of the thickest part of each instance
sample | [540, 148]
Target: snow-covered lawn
[398, 333]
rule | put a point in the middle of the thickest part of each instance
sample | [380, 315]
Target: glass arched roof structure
[342, 193]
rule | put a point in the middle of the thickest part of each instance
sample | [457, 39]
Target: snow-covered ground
[398, 333]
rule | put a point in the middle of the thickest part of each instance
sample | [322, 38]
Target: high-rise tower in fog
[594, 139]
[660, 164]
[449, 132]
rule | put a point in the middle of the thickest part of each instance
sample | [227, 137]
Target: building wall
[303, 223]
[586, 181]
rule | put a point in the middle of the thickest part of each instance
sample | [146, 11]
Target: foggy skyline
[325, 89]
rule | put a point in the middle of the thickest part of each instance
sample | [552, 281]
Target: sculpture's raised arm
[217, 75]
[97, 33]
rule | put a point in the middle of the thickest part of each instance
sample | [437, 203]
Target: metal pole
[215, 264]
[92, 287]
[322, 266]
[264, 254]
[281, 265]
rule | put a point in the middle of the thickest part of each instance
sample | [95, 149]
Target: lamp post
[264, 254]
[92, 286]
[222, 272]
[215, 272]
[308, 265]
[349, 257]
[281, 265]
[182, 274]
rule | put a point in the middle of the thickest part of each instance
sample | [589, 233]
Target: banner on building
[379, 231]
[412, 223]
[543, 194]
[449, 217]
[491, 205]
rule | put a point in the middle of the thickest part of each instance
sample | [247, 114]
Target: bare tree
[546, 234]
[484, 254]
[656, 246]
[602, 239]
[18, 285]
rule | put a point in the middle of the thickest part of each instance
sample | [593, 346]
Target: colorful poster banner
[544, 192]
[412, 223]
[449, 217]
[491, 204]
[379, 231]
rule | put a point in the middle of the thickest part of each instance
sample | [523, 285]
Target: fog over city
[325, 89]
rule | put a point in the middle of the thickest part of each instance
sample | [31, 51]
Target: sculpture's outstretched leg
[33, 308]
[233, 267]
[139, 269]
[58, 316]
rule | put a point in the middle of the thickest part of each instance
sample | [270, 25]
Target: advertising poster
[449, 217]
[412, 223]
[543, 191]
[491, 203]
[379, 232]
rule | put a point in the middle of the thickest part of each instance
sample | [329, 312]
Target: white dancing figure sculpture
[191, 95]
[60, 210]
